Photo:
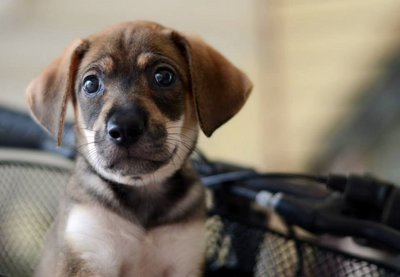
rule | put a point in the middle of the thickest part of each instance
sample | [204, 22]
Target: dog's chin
[125, 168]
[133, 166]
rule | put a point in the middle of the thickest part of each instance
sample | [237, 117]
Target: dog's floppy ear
[48, 93]
[220, 89]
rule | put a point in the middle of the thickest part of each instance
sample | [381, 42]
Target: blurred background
[326, 74]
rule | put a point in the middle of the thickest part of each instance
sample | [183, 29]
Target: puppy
[133, 205]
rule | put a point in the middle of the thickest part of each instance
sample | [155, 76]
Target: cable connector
[363, 190]
[267, 199]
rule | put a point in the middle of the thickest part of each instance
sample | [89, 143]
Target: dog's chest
[112, 246]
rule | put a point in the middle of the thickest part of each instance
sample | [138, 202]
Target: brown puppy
[134, 206]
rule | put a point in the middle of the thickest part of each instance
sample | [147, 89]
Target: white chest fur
[114, 247]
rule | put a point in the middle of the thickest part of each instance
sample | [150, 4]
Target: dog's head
[139, 92]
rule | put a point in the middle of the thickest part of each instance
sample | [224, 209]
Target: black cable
[379, 200]
[367, 193]
[244, 175]
[217, 179]
[317, 220]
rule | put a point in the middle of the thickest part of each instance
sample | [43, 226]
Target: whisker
[181, 134]
[182, 141]
[87, 129]
[84, 127]
[186, 147]
[180, 159]
[181, 128]
[88, 143]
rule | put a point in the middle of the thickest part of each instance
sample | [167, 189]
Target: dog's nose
[125, 126]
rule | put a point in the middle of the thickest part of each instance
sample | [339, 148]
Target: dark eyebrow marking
[143, 59]
[146, 59]
[105, 63]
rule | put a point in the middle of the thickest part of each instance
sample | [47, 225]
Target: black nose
[125, 126]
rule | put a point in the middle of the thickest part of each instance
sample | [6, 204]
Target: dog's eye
[164, 77]
[92, 85]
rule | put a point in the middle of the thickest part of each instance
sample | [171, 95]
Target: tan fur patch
[143, 59]
[107, 64]
[108, 105]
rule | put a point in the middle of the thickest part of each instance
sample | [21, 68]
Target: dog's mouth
[144, 163]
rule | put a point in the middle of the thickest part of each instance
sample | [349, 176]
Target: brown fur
[137, 210]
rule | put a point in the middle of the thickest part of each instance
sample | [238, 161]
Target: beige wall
[322, 54]
[305, 57]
